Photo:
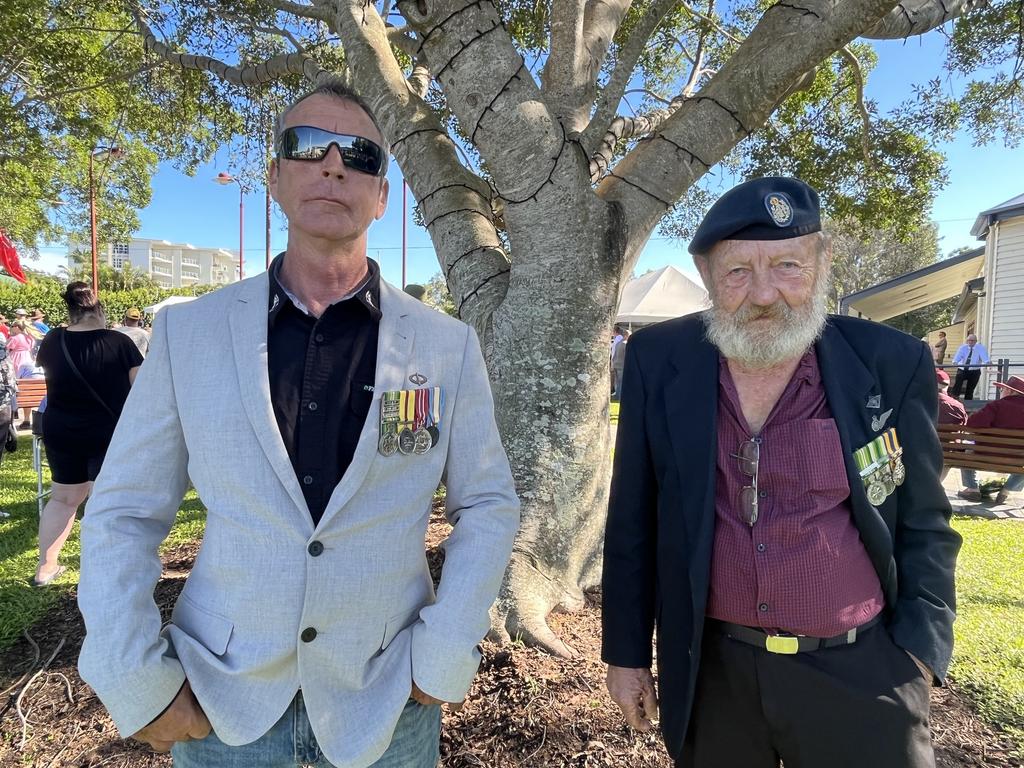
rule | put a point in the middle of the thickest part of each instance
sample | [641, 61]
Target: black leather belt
[788, 644]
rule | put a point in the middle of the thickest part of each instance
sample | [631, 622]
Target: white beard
[787, 334]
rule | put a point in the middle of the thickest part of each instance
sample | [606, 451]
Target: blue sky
[198, 211]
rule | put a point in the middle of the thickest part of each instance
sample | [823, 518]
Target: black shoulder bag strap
[81, 378]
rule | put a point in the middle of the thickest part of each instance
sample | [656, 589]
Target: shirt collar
[368, 292]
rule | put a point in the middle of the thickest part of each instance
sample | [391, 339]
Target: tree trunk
[549, 363]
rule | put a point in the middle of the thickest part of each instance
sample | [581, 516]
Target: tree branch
[454, 202]
[858, 77]
[566, 75]
[629, 54]
[788, 41]
[623, 128]
[601, 22]
[272, 69]
[298, 9]
[489, 89]
[916, 17]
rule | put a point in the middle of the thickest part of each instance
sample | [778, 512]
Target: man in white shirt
[969, 356]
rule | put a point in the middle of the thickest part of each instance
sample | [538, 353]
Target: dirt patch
[525, 708]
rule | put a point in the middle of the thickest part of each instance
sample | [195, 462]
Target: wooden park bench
[31, 393]
[983, 448]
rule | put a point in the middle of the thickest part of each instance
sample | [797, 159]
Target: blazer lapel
[691, 409]
[850, 388]
[248, 322]
[394, 345]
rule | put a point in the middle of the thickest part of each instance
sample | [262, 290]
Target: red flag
[9, 258]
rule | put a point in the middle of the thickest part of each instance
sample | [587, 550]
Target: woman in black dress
[89, 371]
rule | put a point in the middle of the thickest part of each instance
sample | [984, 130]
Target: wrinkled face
[768, 297]
[972, 340]
[324, 199]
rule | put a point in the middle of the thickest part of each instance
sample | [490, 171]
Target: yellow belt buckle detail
[780, 644]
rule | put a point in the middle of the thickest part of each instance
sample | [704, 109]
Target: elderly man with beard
[776, 516]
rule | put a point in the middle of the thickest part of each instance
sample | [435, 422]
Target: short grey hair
[335, 88]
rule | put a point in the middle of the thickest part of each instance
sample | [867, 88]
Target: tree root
[526, 599]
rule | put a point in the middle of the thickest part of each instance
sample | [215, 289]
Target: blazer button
[308, 635]
[315, 548]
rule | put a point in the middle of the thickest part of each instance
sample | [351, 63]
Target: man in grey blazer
[315, 409]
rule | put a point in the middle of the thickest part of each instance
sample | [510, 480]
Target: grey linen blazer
[200, 411]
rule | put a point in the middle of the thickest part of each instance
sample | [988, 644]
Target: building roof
[660, 295]
[942, 280]
[1011, 208]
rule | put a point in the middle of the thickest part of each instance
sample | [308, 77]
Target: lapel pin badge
[875, 401]
[878, 421]
[418, 379]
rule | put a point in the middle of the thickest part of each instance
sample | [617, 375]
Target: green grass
[21, 604]
[988, 658]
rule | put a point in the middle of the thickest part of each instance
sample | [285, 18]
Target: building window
[120, 249]
[119, 262]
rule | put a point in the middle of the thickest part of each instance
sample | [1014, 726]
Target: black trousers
[856, 706]
[968, 378]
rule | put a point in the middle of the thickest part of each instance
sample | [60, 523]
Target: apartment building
[174, 265]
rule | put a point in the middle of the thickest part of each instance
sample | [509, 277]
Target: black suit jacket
[661, 515]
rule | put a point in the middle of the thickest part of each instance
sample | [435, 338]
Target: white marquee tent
[660, 295]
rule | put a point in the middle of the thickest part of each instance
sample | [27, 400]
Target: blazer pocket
[397, 623]
[209, 629]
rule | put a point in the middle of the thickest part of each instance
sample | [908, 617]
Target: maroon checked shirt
[801, 568]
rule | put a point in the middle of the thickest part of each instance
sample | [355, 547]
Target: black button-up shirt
[321, 380]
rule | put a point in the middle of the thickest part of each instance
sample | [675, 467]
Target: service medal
[388, 445]
[422, 442]
[406, 441]
[876, 493]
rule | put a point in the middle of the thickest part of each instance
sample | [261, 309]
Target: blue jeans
[290, 743]
[1014, 483]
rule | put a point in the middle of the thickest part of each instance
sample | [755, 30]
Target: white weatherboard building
[174, 265]
[989, 282]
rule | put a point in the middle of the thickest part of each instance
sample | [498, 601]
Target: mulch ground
[525, 708]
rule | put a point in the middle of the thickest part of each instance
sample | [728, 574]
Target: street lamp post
[97, 151]
[225, 179]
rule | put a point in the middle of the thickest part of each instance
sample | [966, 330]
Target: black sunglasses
[304, 142]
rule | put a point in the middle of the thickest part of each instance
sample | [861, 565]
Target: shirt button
[308, 635]
[763, 608]
[308, 480]
[761, 547]
[318, 338]
[315, 548]
[312, 406]
[763, 494]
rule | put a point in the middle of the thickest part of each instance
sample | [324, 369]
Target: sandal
[49, 579]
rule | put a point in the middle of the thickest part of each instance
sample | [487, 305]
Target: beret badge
[779, 209]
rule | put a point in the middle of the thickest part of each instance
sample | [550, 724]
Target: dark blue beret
[769, 208]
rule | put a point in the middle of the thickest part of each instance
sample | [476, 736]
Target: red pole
[241, 227]
[405, 189]
[92, 228]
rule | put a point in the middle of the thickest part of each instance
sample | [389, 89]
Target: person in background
[616, 340]
[951, 410]
[37, 321]
[89, 371]
[5, 330]
[1005, 413]
[19, 353]
[940, 348]
[8, 391]
[132, 328]
[618, 362]
[969, 356]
